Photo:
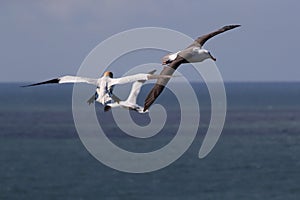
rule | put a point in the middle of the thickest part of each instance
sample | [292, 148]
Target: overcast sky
[46, 39]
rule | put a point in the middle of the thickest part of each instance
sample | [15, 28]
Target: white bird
[191, 54]
[104, 84]
[130, 102]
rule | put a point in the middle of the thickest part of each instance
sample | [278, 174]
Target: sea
[256, 157]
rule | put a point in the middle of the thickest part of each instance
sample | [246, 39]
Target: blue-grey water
[256, 157]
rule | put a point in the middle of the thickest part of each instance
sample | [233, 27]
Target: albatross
[104, 91]
[191, 54]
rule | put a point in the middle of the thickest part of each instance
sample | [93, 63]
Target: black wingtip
[107, 108]
[232, 26]
[152, 72]
[147, 104]
[56, 80]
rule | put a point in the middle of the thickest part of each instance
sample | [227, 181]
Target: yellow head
[108, 73]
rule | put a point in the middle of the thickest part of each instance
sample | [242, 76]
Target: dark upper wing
[199, 42]
[161, 82]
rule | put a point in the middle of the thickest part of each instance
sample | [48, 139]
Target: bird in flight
[131, 102]
[191, 54]
[104, 91]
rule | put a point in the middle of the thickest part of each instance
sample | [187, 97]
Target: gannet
[130, 102]
[104, 84]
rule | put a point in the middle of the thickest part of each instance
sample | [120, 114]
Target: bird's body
[191, 54]
[104, 90]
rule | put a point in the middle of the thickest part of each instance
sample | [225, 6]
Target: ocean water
[256, 157]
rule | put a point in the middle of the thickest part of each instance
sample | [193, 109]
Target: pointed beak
[213, 58]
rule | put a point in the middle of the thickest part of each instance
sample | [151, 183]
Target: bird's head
[108, 73]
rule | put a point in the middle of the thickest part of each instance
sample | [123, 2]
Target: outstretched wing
[136, 77]
[161, 82]
[135, 89]
[199, 42]
[67, 79]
